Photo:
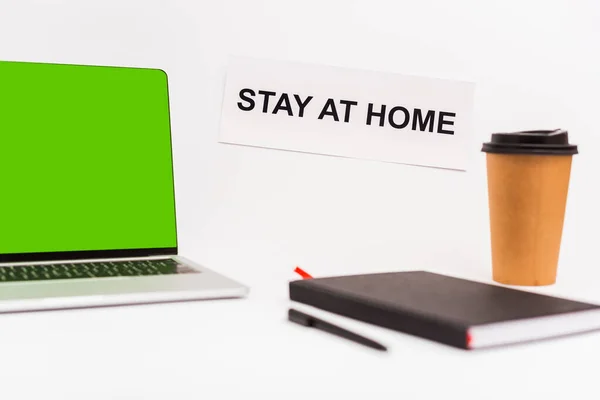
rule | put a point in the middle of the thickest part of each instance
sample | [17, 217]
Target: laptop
[87, 210]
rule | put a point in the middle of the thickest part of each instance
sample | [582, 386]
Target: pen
[313, 322]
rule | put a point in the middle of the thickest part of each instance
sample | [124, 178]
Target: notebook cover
[426, 304]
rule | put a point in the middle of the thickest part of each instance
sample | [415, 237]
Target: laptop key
[87, 270]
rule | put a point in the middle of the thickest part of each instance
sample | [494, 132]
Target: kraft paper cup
[528, 176]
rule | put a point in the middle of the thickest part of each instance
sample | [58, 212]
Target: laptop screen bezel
[109, 253]
[86, 255]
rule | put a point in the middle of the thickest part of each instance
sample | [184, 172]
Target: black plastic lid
[552, 142]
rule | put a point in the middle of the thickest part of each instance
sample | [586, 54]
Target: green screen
[85, 159]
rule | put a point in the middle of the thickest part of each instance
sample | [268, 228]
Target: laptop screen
[85, 159]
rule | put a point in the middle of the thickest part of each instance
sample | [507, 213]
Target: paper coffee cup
[528, 176]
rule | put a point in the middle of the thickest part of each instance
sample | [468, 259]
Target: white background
[255, 213]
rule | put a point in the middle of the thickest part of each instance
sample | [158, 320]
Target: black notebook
[457, 312]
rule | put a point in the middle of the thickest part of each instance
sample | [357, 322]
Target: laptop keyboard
[87, 270]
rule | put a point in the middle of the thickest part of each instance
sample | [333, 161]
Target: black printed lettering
[348, 104]
[266, 95]
[418, 120]
[371, 114]
[406, 117]
[244, 97]
[280, 105]
[302, 104]
[442, 122]
[333, 112]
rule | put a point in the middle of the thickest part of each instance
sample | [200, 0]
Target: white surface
[255, 213]
[246, 349]
[380, 124]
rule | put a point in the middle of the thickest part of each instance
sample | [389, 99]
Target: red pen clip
[302, 273]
